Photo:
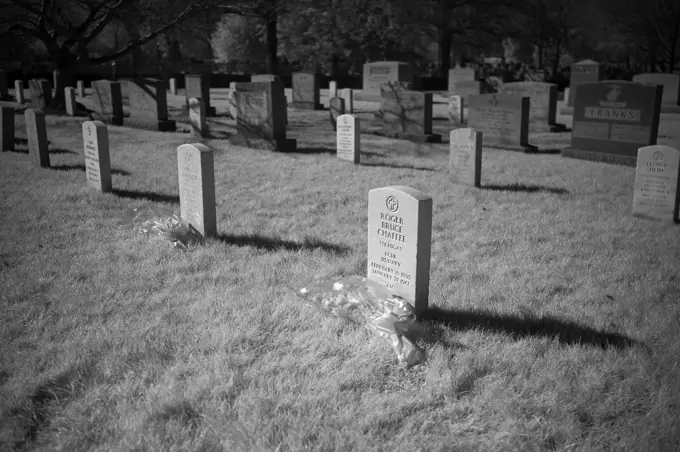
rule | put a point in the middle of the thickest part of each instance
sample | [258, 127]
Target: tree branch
[188, 12]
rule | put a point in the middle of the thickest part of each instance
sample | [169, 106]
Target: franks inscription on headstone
[465, 156]
[196, 169]
[399, 242]
[657, 191]
[97, 156]
[349, 138]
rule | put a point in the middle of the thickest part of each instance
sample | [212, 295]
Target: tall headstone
[198, 86]
[196, 169]
[261, 117]
[172, 86]
[332, 89]
[306, 91]
[80, 88]
[97, 156]
[70, 98]
[349, 138]
[657, 192]
[348, 95]
[41, 93]
[379, 72]
[336, 106]
[460, 74]
[613, 119]
[19, 92]
[197, 117]
[36, 134]
[399, 242]
[542, 104]
[149, 104]
[107, 101]
[503, 119]
[670, 83]
[465, 89]
[4, 86]
[408, 115]
[456, 110]
[6, 129]
[465, 157]
[56, 78]
[586, 71]
[567, 92]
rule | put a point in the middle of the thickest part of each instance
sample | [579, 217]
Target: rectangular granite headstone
[70, 98]
[503, 119]
[399, 242]
[306, 91]
[198, 86]
[542, 104]
[456, 110]
[379, 72]
[196, 169]
[465, 156]
[613, 119]
[348, 95]
[41, 93]
[332, 89]
[149, 104]
[97, 156]
[657, 192]
[80, 88]
[349, 138]
[585, 71]
[107, 101]
[172, 86]
[36, 133]
[408, 115]
[336, 106]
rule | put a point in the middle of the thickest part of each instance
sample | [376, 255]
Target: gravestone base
[526, 148]
[669, 108]
[626, 160]
[416, 138]
[568, 111]
[163, 125]
[113, 120]
[276, 145]
[547, 128]
[307, 106]
[210, 111]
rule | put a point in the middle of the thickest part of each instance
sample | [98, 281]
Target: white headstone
[657, 191]
[332, 89]
[399, 242]
[80, 88]
[348, 95]
[173, 86]
[36, 133]
[196, 169]
[197, 117]
[349, 138]
[97, 156]
[232, 100]
[456, 109]
[465, 156]
[19, 92]
[70, 98]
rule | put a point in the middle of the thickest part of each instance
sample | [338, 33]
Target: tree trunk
[674, 43]
[556, 62]
[272, 46]
[62, 76]
[335, 65]
[444, 51]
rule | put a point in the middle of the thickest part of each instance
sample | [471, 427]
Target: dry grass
[555, 321]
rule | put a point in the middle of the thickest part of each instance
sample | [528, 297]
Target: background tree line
[340, 35]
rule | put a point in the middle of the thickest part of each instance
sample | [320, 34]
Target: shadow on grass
[545, 151]
[51, 151]
[314, 150]
[275, 244]
[63, 151]
[20, 141]
[394, 165]
[526, 188]
[82, 168]
[149, 196]
[566, 332]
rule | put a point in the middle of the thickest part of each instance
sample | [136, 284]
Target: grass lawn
[554, 321]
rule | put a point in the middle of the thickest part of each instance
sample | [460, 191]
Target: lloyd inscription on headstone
[36, 134]
[503, 119]
[379, 72]
[349, 138]
[613, 119]
[196, 169]
[586, 71]
[6, 129]
[465, 156]
[97, 157]
[399, 242]
[306, 91]
[657, 192]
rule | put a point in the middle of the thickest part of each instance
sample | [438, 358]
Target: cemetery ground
[554, 321]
